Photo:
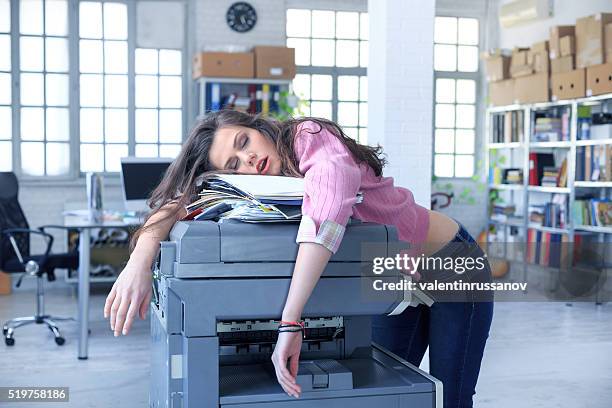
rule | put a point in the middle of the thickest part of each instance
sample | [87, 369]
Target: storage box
[608, 42]
[519, 64]
[567, 45]
[5, 283]
[568, 85]
[537, 57]
[274, 62]
[497, 65]
[501, 92]
[599, 79]
[590, 38]
[531, 89]
[556, 33]
[223, 64]
[563, 64]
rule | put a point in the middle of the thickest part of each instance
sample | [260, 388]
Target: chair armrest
[10, 231]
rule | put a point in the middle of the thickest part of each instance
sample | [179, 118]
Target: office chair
[15, 257]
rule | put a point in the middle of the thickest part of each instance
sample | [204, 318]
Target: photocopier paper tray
[219, 291]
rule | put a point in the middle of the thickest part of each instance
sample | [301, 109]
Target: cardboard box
[608, 42]
[519, 64]
[556, 33]
[5, 283]
[537, 57]
[563, 64]
[568, 85]
[599, 79]
[519, 56]
[223, 64]
[501, 93]
[531, 89]
[497, 65]
[520, 71]
[590, 39]
[567, 45]
[274, 62]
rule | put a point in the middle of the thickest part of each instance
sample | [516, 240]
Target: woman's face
[244, 150]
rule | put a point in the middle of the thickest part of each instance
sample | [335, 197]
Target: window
[456, 83]
[44, 87]
[6, 126]
[331, 52]
[69, 97]
[103, 69]
[159, 100]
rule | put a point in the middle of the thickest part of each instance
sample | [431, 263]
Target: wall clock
[241, 17]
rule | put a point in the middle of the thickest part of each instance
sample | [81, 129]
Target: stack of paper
[250, 198]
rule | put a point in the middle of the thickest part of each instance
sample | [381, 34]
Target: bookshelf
[265, 90]
[518, 151]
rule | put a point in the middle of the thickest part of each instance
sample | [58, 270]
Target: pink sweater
[332, 179]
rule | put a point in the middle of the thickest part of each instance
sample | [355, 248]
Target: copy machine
[219, 291]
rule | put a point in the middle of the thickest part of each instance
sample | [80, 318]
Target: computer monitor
[139, 177]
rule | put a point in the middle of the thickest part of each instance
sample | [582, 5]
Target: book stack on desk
[249, 198]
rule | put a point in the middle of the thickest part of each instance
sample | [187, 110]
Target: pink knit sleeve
[331, 181]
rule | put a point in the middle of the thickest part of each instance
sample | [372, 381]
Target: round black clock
[241, 17]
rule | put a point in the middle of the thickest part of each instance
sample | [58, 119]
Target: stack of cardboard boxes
[501, 87]
[264, 62]
[531, 86]
[577, 60]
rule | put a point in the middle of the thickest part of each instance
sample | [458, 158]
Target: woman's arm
[131, 292]
[309, 265]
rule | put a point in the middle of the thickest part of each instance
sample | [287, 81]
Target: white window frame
[74, 172]
[334, 71]
[478, 106]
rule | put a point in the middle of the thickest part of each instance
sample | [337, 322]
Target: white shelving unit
[526, 146]
[202, 81]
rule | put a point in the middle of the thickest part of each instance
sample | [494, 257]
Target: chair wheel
[60, 341]
[10, 341]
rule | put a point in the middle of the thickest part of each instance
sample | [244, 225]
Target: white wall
[211, 29]
[400, 89]
[565, 12]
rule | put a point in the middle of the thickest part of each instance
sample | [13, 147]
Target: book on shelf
[551, 214]
[512, 176]
[555, 176]
[251, 98]
[495, 175]
[550, 176]
[507, 127]
[594, 163]
[549, 249]
[551, 129]
[592, 212]
[537, 163]
[584, 122]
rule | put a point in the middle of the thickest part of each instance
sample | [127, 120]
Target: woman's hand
[129, 296]
[288, 347]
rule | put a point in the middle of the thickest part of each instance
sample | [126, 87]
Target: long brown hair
[181, 183]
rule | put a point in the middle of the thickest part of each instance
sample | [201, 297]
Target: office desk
[84, 226]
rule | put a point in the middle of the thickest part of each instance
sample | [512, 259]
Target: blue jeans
[456, 333]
